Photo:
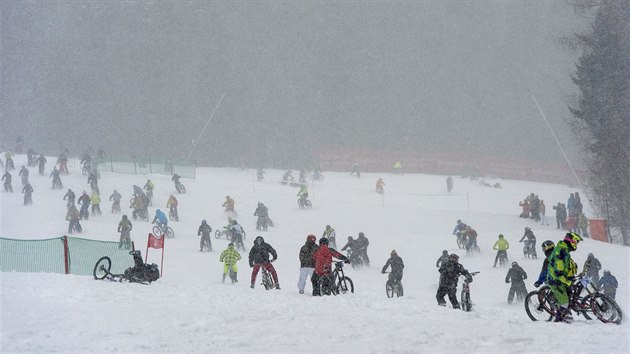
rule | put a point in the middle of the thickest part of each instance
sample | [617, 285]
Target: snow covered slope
[189, 310]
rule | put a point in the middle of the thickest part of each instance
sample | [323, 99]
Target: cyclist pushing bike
[449, 276]
[259, 257]
[560, 272]
[323, 266]
[395, 276]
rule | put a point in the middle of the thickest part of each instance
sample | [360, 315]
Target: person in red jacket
[323, 265]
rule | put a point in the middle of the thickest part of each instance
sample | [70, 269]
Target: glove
[507, 281]
[251, 265]
[347, 261]
[383, 272]
[537, 284]
[271, 261]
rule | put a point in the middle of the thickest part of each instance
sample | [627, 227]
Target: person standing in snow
[259, 257]
[449, 276]
[516, 275]
[230, 257]
[307, 262]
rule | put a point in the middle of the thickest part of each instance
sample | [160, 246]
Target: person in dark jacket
[516, 275]
[547, 248]
[41, 163]
[73, 218]
[561, 215]
[56, 179]
[394, 261]
[259, 257]
[609, 284]
[24, 174]
[363, 244]
[70, 197]
[443, 258]
[307, 262]
[204, 231]
[449, 276]
[84, 201]
[7, 178]
[28, 192]
[592, 267]
[124, 227]
[323, 267]
[263, 216]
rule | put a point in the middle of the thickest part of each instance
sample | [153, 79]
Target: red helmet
[311, 238]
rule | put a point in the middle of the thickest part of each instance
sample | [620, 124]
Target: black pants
[452, 296]
[519, 289]
[328, 283]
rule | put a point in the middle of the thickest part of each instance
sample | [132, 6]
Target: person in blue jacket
[608, 283]
[160, 219]
[547, 247]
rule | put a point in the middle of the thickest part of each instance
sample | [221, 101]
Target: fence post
[66, 254]
[111, 163]
[150, 165]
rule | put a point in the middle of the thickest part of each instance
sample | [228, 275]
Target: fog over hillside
[142, 77]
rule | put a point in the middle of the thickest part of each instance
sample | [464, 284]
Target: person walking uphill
[307, 262]
[501, 246]
[449, 276]
[517, 276]
[229, 257]
[259, 257]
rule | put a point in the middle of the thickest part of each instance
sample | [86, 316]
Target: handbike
[466, 304]
[140, 273]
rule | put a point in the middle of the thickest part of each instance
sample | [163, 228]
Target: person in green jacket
[95, 199]
[560, 272]
[229, 257]
[501, 246]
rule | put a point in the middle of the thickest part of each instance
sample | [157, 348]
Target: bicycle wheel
[345, 285]
[102, 268]
[299, 203]
[217, 234]
[605, 309]
[460, 243]
[399, 293]
[308, 204]
[389, 290]
[183, 188]
[169, 232]
[535, 309]
[465, 301]
[157, 231]
[267, 280]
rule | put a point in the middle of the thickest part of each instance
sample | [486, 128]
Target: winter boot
[277, 286]
[223, 279]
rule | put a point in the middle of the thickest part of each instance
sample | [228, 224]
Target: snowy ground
[189, 310]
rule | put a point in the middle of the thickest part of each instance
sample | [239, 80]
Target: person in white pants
[307, 263]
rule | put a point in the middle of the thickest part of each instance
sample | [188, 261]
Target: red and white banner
[156, 242]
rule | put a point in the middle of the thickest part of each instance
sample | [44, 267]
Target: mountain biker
[287, 177]
[379, 185]
[443, 258]
[323, 265]
[24, 174]
[124, 227]
[28, 192]
[259, 257]
[56, 182]
[547, 248]
[592, 267]
[229, 257]
[303, 193]
[307, 263]
[171, 204]
[363, 244]
[531, 240]
[149, 186]
[517, 276]
[41, 162]
[84, 202]
[70, 196]
[471, 237]
[459, 228]
[237, 234]
[560, 271]
[95, 199]
[501, 245]
[204, 231]
[178, 185]
[353, 249]
[263, 215]
[137, 191]
[397, 268]
[449, 276]
[608, 283]
[62, 160]
[331, 235]
[116, 204]
[8, 161]
[6, 177]
[160, 219]
[73, 217]
[228, 204]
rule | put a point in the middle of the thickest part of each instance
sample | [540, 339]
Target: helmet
[323, 241]
[158, 211]
[527, 229]
[453, 257]
[328, 226]
[445, 252]
[393, 253]
[259, 240]
[590, 255]
[311, 238]
[230, 244]
[572, 239]
[350, 238]
[459, 221]
[547, 247]
[500, 235]
[203, 222]
[124, 216]
[606, 272]
[227, 197]
[514, 264]
[361, 234]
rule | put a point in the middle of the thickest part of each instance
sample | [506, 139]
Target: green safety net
[32, 255]
[84, 253]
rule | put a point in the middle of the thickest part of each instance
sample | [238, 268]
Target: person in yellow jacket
[501, 246]
[229, 257]
[95, 199]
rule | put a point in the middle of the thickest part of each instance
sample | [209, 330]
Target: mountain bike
[529, 250]
[594, 302]
[267, 279]
[503, 260]
[461, 241]
[336, 282]
[261, 223]
[227, 233]
[159, 230]
[466, 304]
[172, 214]
[140, 273]
[304, 203]
[394, 287]
[180, 188]
[535, 305]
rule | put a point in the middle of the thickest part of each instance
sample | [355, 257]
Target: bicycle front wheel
[170, 233]
[465, 301]
[389, 290]
[345, 285]
[157, 231]
[606, 309]
[102, 268]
